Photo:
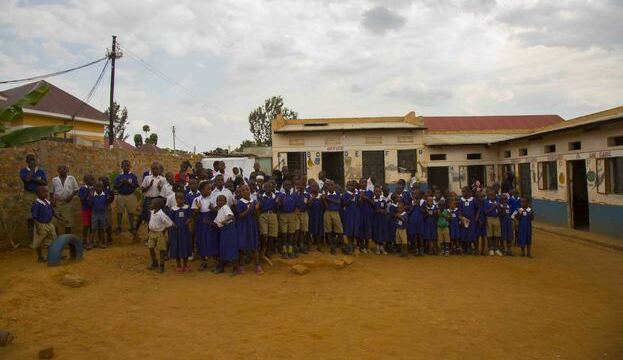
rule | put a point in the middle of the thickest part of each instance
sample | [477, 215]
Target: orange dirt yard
[566, 303]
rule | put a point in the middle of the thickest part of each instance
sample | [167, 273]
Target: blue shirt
[334, 201]
[42, 211]
[288, 202]
[126, 189]
[513, 201]
[99, 202]
[83, 194]
[268, 203]
[491, 209]
[401, 221]
[302, 201]
[190, 196]
[31, 185]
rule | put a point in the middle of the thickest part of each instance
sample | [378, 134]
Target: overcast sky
[326, 58]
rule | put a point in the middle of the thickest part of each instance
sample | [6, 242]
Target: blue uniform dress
[379, 221]
[316, 212]
[351, 215]
[453, 224]
[468, 209]
[228, 250]
[99, 204]
[482, 226]
[42, 211]
[31, 185]
[506, 223]
[246, 227]
[429, 228]
[180, 245]
[525, 226]
[416, 218]
[126, 189]
[190, 196]
[366, 214]
[206, 234]
[392, 209]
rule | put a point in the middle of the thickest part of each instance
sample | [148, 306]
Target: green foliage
[152, 139]
[146, 129]
[31, 134]
[15, 110]
[138, 140]
[260, 119]
[120, 121]
[245, 144]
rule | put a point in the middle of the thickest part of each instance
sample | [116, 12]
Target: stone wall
[80, 159]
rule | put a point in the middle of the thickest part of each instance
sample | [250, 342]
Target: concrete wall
[456, 158]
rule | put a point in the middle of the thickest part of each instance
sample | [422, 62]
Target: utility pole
[173, 129]
[112, 56]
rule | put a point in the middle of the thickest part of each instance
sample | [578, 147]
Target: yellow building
[58, 108]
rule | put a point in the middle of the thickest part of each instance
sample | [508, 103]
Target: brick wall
[80, 159]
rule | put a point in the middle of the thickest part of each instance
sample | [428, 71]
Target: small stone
[309, 262]
[300, 269]
[339, 263]
[73, 280]
[347, 260]
[46, 353]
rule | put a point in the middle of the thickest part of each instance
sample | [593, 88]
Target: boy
[153, 187]
[332, 221]
[492, 214]
[287, 202]
[42, 213]
[126, 184]
[85, 207]
[110, 197]
[303, 216]
[98, 200]
[64, 188]
[400, 220]
[32, 176]
[267, 221]
[159, 222]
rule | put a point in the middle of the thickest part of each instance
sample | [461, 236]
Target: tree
[120, 121]
[146, 130]
[260, 119]
[30, 134]
[245, 144]
[152, 139]
[138, 140]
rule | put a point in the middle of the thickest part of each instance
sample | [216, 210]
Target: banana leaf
[15, 110]
[31, 134]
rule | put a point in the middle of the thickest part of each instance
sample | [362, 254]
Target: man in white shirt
[220, 189]
[62, 190]
[153, 187]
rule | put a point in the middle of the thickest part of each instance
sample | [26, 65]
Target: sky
[203, 66]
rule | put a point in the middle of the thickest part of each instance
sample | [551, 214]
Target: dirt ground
[566, 303]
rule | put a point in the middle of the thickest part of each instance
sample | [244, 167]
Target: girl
[180, 244]
[524, 216]
[316, 211]
[453, 225]
[366, 214]
[481, 219]
[206, 234]
[506, 226]
[246, 226]
[414, 225]
[468, 213]
[392, 209]
[228, 240]
[379, 220]
[351, 216]
[429, 228]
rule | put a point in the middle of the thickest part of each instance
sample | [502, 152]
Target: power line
[93, 89]
[52, 74]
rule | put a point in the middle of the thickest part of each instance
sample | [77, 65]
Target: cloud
[380, 20]
[419, 94]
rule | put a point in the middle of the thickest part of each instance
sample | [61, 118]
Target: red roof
[120, 144]
[489, 123]
[56, 101]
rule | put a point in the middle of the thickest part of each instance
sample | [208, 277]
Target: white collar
[156, 212]
[177, 208]
[333, 193]
[469, 199]
[244, 201]
[266, 196]
[43, 202]
[100, 194]
[349, 192]
[381, 198]
[36, 168]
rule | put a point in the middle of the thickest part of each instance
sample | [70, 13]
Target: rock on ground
[347, 260]
[300, 269]
[339, 263]
[46, 353]
[73, 280]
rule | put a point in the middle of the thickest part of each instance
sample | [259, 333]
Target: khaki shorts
[493, 227]
[303, 221]
[288, 223]
[157, 240]
[332, 222]
[268, 224]
[29, 198]
[401, 236]
[443, 234]
[43, 234]
[126, 203]
[66, 212]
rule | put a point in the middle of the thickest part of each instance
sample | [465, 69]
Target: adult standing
[126, 184]
[64, 188]
[508, 183]
[32, 177]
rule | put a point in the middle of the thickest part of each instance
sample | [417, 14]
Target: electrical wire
[54, 73]
[93, 89]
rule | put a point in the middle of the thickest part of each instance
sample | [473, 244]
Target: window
[575, 145]
[436, 157]
[548, 175]
[475, 156]
[612, 170]
[549, 149]
[615, 141]
[407, 161]
[507, 153]
[523, 151]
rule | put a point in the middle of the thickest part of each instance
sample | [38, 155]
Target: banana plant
[30, 134]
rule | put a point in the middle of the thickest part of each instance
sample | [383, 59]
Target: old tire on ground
[55, 250]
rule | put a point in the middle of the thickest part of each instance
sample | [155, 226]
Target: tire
[55, 250]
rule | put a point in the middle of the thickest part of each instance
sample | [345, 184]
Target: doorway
[438, 176]
[374, 166]
[525, 181]
[333, 166]
[578, 194]
[296, 163]
[476, 172]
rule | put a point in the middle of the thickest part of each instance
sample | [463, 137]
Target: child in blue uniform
[246, 224]
[468, 215]
[392, 209]
[316, 211]
[506, 225]
[351, 217]
[491, 212]
[302, 234]
[429, 228]
[414, 227]
[228, 241]
[400, 221]
[366, 214]
[481, 220]
[332, 223]
[85, 207]
[454, 225]
[98, 200]
[42, 213]
[180, 245]
[287, 201]
[379, 219]
[206, 234]
[524, 216]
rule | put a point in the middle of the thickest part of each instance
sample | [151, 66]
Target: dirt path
[567, 303]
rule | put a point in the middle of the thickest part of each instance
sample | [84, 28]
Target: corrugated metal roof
[484, 123]
[346, 127]
[465, 139]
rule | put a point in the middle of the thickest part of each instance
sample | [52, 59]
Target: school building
[571, 169]
[58, 107]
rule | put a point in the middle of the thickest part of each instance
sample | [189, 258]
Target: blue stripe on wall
[550, 211]
[606, 219]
